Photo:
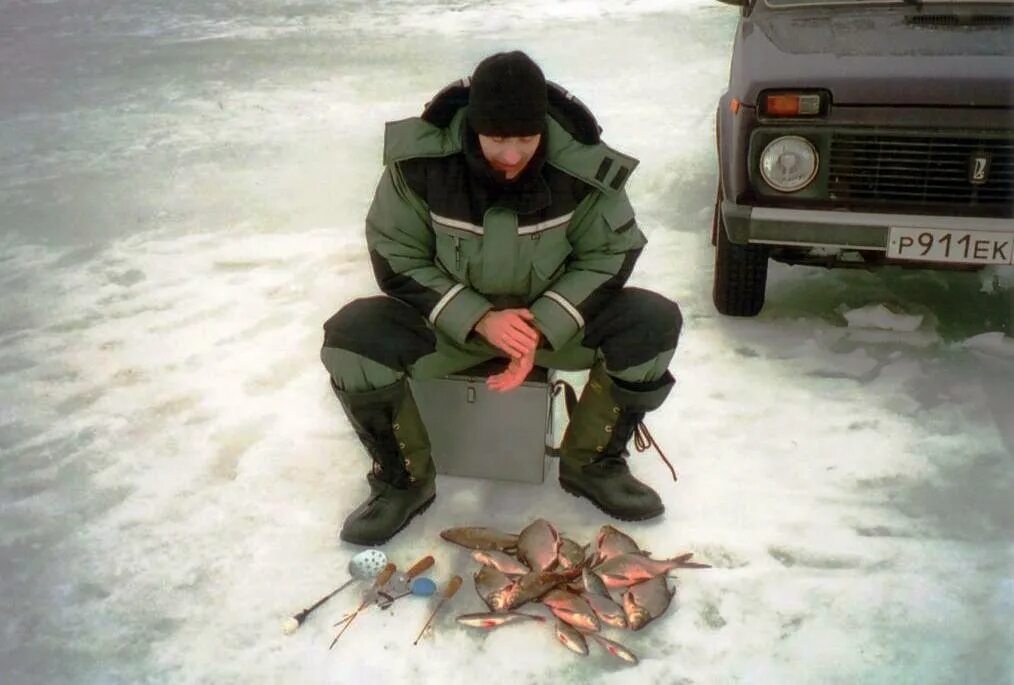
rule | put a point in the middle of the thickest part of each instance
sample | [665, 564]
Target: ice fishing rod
[400, 585]
[381, 580]
[363, 566]
[452, 586]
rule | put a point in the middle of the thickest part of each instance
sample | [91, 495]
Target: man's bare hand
[510, 330]
[514, 375]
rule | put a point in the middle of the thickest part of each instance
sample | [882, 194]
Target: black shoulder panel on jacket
[572, 114]
[563, 184]
[414, 172]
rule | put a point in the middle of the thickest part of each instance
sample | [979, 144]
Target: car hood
[875, 56]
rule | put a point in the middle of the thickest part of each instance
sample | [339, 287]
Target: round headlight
[788, 163]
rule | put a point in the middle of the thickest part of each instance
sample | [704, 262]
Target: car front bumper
[847, 230]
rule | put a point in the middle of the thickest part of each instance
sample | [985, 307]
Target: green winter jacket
[560, 267]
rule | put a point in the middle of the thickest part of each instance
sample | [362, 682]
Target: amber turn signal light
[792, 105]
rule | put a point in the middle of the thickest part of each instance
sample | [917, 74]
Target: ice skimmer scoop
[363, 566]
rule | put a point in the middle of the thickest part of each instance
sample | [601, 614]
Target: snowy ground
[182, 193]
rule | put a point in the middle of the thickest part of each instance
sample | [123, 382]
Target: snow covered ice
[182, 190]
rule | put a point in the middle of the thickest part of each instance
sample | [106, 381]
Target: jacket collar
[599, 165]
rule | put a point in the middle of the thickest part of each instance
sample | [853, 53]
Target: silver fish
[528, 587]
[592, 583]
[611, 542]
[572, 555]
[496, 619]
[570, 638]
[501, 561]
[608, 611]
[644, 602]
[539, 545]
[571, 609]
[477, 537]
[488, 582]
[615, 648]
[629, 569]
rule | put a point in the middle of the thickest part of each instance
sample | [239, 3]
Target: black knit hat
[507, 96]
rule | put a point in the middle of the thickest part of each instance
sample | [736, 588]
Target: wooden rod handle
[423, 564]
[385, 575]
[452, 587]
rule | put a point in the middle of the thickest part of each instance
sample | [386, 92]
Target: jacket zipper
[457, 252]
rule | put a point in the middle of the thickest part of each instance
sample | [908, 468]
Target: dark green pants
[373, 342]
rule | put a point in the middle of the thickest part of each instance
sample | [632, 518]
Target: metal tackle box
[478, 433]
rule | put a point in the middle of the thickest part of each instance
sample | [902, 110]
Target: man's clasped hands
[512, 331]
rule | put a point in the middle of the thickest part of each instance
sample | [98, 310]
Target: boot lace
[644, 440]
[394, 474]
[612, 463]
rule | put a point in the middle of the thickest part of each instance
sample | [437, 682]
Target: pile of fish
[615, 584]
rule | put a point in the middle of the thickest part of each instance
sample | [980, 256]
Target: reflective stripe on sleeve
[567, 306]
[444, 301]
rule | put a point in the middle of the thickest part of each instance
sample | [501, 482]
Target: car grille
[931, 171]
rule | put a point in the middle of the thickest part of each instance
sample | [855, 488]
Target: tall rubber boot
[403, 478]
[593, 452]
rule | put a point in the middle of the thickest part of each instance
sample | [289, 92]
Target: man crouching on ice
[501, 228]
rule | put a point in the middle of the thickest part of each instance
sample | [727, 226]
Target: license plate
[942, 245]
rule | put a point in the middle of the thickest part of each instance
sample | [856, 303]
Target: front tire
[741, 272]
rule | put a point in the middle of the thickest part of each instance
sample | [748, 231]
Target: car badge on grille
[978, 168]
